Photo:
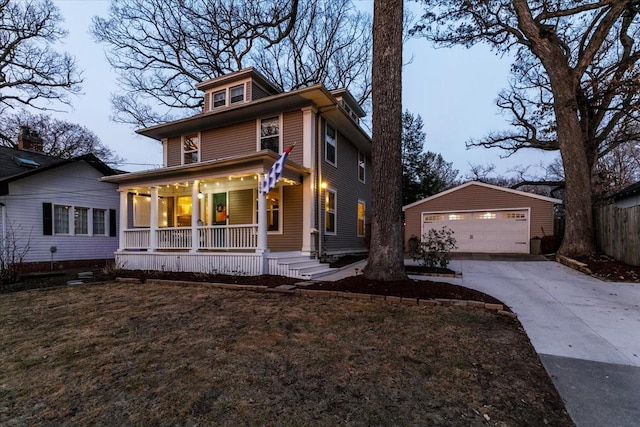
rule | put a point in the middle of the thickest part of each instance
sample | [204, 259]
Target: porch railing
[220, 237]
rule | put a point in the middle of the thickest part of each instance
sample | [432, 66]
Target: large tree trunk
[386, 259]
[579, 236]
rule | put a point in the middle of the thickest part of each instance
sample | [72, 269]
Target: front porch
[290, 263]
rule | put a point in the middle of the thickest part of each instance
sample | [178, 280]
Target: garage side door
[484, 231]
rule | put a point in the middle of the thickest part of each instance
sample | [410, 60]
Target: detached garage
[484, 217]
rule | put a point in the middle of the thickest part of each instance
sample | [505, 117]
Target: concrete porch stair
[295, 264]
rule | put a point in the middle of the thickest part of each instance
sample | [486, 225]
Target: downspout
[319, 143]
[3, 236]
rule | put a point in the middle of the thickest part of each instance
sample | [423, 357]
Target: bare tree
[32, 72]
[386, 258]
[60, 138]
[15, 243]
[575, 88]
[162, 48]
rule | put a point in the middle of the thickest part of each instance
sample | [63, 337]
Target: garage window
[513, 215]
[485, 215]
[431, 218]
[458, 217]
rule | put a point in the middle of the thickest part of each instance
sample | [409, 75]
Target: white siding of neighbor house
[74, 184]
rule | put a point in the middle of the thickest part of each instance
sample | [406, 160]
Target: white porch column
[262, 226]
[195, 215]
[153, 220]
[124, 219]
[309, 149]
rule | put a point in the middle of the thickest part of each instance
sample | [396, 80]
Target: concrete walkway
[586, 332]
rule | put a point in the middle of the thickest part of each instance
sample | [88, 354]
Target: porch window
[330, 145]
[61, 219]
[330, 212]
[183, 211]
[361, 166]
[361, 212]
[191, 149]
[237, 94]
[219, 99]
[274, 211]
[81, 220]
[270, 134]
[99, 222]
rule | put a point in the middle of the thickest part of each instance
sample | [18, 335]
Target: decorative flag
[276, 170]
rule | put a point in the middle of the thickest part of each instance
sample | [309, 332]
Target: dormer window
[191, 149]
[219, 98]
[237, 94]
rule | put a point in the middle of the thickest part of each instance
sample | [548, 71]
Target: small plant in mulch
[433, 251]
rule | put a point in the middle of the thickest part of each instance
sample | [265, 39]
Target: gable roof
[17, 164]
[483, 184]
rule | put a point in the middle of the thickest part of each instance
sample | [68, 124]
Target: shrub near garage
[434, 250]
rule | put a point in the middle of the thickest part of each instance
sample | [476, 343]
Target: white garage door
[484, 231]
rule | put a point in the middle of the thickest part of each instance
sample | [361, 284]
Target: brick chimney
[29, 140]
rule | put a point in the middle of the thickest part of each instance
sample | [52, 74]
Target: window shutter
[47, 219]
[112, 222]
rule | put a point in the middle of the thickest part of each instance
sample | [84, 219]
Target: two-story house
[199, 212]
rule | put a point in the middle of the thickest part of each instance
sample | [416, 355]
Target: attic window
[27, 163]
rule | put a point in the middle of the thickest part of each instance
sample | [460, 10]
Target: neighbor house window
[191, 149]
[99, 222]
[361, 212]
[220, 98]
[330, 212]
[270, 134]
[274, 210]
[330, 145]
[237, 94]
[81, 220]
[61, 219]
[361, 166]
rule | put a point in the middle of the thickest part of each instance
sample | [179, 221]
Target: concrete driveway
[586, 332]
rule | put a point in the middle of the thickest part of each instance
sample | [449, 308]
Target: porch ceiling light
[200, 195]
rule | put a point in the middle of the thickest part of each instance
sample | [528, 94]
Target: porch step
[296, 265]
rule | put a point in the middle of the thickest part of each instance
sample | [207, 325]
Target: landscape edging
[496, 308]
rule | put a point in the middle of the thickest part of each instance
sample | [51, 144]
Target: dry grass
[121, 354]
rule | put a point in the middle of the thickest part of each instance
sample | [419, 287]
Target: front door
[220, 209]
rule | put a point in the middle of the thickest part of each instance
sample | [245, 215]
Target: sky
[453, 90]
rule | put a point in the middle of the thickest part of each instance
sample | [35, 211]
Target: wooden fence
[618, 232]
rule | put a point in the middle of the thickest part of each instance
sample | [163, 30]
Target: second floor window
[330, 145]
[361, 166]
[270, 134]
[237, 94]
[191, 149]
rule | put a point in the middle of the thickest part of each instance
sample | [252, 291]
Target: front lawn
[122, 354]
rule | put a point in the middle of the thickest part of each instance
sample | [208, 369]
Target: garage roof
[483, 184]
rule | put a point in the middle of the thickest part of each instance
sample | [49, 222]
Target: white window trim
[326, 143]
[227, 94]
[105, 213]
[280, 210]
[335, 212]
[70, 222]
[244, 93]
[259, 138]
[364, 220]
[364, 167]
[182, 152]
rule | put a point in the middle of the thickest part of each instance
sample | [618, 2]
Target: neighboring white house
[57, 209]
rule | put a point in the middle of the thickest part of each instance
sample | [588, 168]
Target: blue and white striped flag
[272, 177]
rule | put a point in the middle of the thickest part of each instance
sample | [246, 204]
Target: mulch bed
[609, 269]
